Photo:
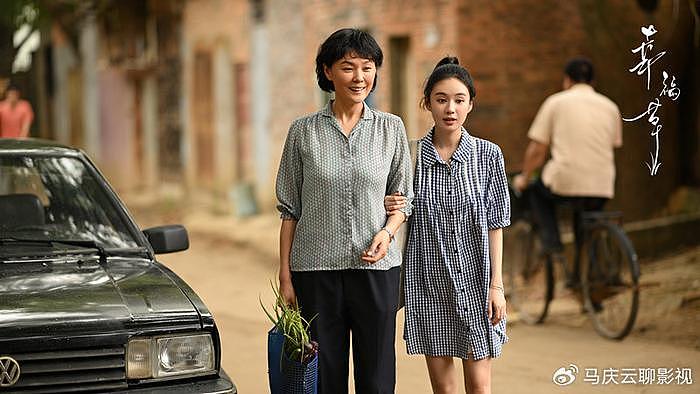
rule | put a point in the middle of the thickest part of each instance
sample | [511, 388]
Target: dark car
[84, 304]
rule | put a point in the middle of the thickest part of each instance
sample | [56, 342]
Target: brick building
[516, 51]
[216, 111]
[201, 92]
[106, 77]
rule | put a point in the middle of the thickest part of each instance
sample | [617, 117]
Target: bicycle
[609, 275]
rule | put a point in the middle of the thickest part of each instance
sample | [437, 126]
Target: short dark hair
[12, 86]
[579, 70]
[344, 42]
[447, 67]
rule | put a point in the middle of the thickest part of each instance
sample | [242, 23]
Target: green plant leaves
[288, 320]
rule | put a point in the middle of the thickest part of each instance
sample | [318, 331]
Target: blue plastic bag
[298, 377]
[275, 344]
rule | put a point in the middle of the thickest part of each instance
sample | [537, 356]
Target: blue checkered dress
[447, 260]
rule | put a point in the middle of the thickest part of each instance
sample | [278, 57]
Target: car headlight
[165, 356]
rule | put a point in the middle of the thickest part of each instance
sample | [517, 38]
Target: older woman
[337, 258]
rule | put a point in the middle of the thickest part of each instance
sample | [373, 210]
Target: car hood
[68, 296]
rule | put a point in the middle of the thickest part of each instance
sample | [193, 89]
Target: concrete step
[655, 237]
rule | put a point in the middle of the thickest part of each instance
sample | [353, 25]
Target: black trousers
[544, 208]
[361, 302]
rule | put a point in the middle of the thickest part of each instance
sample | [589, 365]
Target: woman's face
[352, 77]
[449, 104]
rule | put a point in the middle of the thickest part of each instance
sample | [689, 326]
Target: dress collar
[430, 155]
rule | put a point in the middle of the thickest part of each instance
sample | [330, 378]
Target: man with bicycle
[580, 128]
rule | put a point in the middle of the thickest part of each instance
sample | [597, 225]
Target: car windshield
[50, 198]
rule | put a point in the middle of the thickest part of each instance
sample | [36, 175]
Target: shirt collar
[430, 156]
[581, 86]
[367, 112]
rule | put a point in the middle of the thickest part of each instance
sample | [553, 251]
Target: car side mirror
[168, 239]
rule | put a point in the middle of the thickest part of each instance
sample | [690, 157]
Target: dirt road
[230, 266]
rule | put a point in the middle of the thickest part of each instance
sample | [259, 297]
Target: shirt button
[459, 271]
[463, 290]
[449, 192]
[466, 309]
[456, 251]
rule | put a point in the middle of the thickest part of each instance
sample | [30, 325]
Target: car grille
[68, 371]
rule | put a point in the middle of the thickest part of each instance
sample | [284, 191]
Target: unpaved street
[230, 266]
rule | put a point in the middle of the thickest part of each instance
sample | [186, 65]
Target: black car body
[84, 304]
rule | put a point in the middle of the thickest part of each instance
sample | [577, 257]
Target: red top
[13, 118]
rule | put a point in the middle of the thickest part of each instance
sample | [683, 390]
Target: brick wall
[516, 51]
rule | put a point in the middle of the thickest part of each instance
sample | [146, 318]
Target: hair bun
[447, 60]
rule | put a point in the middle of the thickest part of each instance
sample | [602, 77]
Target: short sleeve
[290, 177]
[401, 172]
[541, 128]
[498, 209]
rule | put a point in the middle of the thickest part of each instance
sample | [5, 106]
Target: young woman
[336, 254]
[455, 306]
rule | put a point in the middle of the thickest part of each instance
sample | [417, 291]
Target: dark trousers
[544, 208]
[363, 302]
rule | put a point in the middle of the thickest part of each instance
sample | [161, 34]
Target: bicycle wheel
[530, 276]
[611, 281]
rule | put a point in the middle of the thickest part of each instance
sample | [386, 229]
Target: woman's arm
[287, 230]
[497, 299]
[394, 221]
[288, 189]
[380, 243]
[496, 256]
[400, 181]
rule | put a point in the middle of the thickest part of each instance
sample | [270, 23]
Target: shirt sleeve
[541, 128]
[401, 174]
[290, 177]
[498, 209]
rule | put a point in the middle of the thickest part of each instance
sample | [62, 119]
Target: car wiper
[83, 243]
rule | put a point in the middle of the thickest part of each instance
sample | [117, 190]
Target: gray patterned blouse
[334, 185]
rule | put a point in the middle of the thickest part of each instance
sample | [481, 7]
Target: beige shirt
[582, 127]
